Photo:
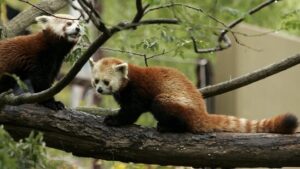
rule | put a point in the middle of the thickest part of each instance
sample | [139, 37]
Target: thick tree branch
[251, 77]
[85, 135]
[26, 17]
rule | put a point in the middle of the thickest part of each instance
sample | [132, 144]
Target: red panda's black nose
[77, 29]
[99, 90]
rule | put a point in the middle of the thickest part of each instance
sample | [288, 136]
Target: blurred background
[269, 36]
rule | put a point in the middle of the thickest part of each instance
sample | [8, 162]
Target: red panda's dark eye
[106, 82]
[96, 81]
[69, 23]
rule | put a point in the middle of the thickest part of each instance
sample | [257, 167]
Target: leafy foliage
[28, 153]
[156, 39]
[81, 45]
[291, 21]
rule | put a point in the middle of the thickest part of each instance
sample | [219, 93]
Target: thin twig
[91, 7]
[232, 25]
[224, 39]
[190, 7]
[219, 47]
[250, 12]
[123, 51]
[123, 26]
[94, 16]
[257, 34]
[222, 36]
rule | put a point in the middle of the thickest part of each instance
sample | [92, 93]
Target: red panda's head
[62, 25]
[109, 75]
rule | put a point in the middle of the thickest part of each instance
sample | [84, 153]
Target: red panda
[173, 100]
[38, 57]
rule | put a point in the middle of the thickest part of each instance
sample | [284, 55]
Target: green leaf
[232, 11]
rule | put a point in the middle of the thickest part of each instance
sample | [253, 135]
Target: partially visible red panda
[38, 57]
[173, 100]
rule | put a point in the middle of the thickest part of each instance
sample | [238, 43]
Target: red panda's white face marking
[69, 29]
[109, 75]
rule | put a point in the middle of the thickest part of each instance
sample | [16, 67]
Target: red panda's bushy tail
[284, 124]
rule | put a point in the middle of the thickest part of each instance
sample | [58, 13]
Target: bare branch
[219, 47]
[93, 15]
[85, 135]
[140, 12]
[149, 22]
[251, 77]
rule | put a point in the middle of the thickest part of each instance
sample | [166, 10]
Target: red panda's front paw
[54, 105]
[112, 120]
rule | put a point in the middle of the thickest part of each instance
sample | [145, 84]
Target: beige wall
[276, 94]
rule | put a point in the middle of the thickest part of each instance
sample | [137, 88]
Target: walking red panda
[38, 57]
[173, 100]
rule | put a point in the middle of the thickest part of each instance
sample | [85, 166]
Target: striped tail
[284, 124]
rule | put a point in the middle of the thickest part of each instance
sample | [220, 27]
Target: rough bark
[85, 135]
[26, 17]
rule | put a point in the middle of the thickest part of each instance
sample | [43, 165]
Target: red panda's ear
[42, 19]
[91, 62]
[123, 68]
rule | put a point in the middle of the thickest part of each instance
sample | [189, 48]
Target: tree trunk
[85, 135]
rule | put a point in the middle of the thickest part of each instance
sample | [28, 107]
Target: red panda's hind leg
[169, 114]
[40, 81]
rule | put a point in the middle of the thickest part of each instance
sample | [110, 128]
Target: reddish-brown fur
[178, 105]
[37, 57]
